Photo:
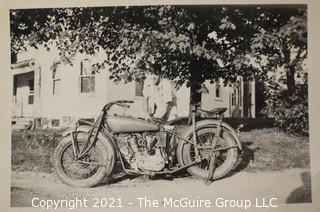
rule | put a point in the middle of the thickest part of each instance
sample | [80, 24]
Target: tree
[191, 43]
[284, 47]
[281, 53]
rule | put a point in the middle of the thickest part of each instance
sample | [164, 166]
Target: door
[235, 103]
[247, 99]
[24, 99]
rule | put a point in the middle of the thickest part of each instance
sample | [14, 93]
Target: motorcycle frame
[100, 126]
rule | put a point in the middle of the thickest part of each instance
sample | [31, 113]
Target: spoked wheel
[90, 169]
[225, 158]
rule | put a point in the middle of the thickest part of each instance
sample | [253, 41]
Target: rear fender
[212, 122]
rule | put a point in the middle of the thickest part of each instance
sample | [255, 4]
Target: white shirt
[159, 96]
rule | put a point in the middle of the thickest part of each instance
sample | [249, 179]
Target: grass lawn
[271, 150]
[263, 150]
[32, 150]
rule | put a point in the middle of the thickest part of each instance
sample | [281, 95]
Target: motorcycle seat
[214, 112]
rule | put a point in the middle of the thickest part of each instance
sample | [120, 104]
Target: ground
[273, 165]
[287, 186]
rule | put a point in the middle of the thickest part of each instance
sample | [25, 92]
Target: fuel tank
[127, 124]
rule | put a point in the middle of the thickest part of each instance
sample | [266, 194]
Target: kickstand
[146, 178]
[212, 168]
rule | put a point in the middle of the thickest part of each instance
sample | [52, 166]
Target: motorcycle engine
[141, 152]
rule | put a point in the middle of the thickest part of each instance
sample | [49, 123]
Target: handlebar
[121, 103]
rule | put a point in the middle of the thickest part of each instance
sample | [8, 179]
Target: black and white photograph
[192, 106]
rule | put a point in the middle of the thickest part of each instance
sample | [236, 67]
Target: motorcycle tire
[185, 154]
[102, 153]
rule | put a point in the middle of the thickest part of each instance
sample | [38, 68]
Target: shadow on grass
[247, 156]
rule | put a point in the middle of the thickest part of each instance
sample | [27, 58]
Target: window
[14, 89]
[233, 99]
[56, 86]
[31, 92]
[87, 77]
[14, 85]
[31, 85]
[56, 79]
[218, 90]
[55, 123]
[239, 96]
[139, 88]
[31, 99]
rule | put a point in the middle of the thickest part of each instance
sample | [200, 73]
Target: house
[50, 94]
[239, 99]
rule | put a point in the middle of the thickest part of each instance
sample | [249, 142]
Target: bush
[290, 111]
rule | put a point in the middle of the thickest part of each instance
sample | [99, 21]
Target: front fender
[213, 122]
[86, 128]
[81, 128]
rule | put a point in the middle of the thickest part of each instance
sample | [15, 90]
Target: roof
[23, 67]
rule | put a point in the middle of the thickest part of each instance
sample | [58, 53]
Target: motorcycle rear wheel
[225, 161]
[91, 169]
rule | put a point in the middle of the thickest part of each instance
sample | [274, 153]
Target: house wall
[128, 91]
[237, 99]
[70, 104]
[210, 100]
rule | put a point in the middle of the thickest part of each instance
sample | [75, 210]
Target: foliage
[290, 110]
[283, 48]
[281, 53]
[191, 43]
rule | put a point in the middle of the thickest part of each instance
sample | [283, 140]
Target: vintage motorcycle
[89, 152]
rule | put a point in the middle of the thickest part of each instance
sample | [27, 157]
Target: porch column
[37, 91]
[241, 97]
[253, 99]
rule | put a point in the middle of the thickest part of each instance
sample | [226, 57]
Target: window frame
[31, 91]
[53, 121]
[31, 99]
[56, 78]
[90, 76]
[54, 85]
[140, 93]
[218, 90]
[31, 85]
[233, 99]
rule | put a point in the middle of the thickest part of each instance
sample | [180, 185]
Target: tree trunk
[196, 85]
[290, 80]
[290, 71]
[195, 88]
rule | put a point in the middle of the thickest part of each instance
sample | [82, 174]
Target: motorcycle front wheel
[90, 169]
[225, 159]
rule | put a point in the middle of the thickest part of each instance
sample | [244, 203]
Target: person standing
[160, 101]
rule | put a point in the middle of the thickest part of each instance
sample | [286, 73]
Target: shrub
[290, 111]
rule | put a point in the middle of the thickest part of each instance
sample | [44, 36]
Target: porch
[26, 94]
